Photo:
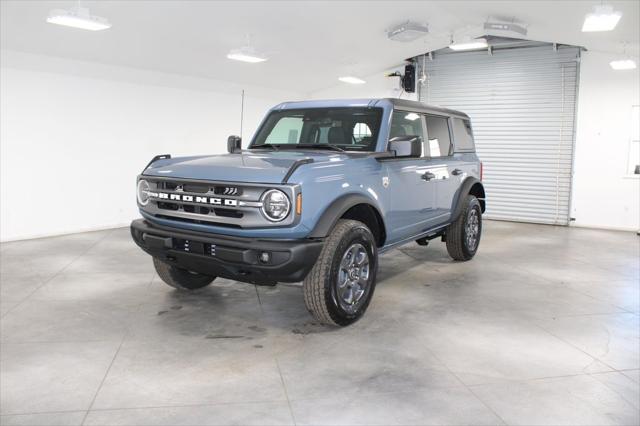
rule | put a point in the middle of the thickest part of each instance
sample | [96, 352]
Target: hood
[248, 166]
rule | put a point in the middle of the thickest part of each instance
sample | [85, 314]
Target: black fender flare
[336, 209]
[462, 192]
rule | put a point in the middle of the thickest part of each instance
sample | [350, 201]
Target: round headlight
[143, 192]
[275, 205]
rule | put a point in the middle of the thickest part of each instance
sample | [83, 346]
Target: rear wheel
[463, 235]
[181, 278]
[339, 288]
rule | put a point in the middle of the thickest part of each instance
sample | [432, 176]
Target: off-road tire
[320, 285]
[456, 233]
[181, 278]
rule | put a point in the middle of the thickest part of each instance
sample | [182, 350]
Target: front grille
[199, 222]
[200, 188]
[213, 203]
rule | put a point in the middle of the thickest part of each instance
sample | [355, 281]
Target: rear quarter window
[462, 135]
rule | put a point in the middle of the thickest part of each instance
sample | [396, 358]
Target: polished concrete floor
[541, 328]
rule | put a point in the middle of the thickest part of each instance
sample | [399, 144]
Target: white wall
[603, 195]
[74, 135]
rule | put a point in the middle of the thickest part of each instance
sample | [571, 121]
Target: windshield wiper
[320, 146]
[266, 145]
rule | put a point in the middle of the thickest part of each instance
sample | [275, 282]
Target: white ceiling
[310, 43]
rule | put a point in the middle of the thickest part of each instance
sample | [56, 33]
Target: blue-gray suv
[323, 188]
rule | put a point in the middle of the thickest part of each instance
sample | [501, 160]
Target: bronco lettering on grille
[194, 199]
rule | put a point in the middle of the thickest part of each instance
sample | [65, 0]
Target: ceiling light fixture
[407, 31]
[506, 27]
[479, 43]
[78, 17]
[351, 80]
[603, 18]
[623, 64]
[247, 54]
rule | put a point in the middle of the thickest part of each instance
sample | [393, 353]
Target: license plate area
[194, 247]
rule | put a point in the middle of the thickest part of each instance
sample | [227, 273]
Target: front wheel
[181, 278]
[463, 235]
[339, 288]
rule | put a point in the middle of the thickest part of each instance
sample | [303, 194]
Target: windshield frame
[267, 125]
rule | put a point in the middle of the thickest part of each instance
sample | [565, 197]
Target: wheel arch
[471, 186]
[351, 206]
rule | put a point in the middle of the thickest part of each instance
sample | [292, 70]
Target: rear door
[448, 168]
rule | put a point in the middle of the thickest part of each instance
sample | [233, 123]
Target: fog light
[264, 257]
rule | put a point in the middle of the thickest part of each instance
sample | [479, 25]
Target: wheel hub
[353, 277]
[472, 229]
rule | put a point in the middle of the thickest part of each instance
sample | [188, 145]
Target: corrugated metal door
[522, 104]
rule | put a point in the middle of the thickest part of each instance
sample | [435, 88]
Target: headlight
[143, 192]
[275, 205]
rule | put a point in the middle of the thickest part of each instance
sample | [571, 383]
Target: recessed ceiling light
[412, 116]
[78, 17]
[623, 64]
[246, 54]
[407, 32]
[603, 18]
[478, 43]
[351, 80]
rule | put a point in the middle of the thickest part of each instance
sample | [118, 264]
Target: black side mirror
[234, 143]
[406, 146]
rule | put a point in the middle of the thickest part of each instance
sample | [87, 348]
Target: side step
[424, 241]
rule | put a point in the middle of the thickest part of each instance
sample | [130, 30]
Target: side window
[361, 132]
[439, 144]
[462, 135]
[406, 124]
[286, 130]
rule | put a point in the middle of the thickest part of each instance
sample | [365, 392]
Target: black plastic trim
[334, 212]
[236, 257]
[156, 158]
[294, 167]
[463, 191]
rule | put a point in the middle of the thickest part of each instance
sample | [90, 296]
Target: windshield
[348, 129]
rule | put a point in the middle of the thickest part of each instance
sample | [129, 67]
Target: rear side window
[462, 135]
[439, 138]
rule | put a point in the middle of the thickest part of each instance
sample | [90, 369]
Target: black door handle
[428, 176]
[456, 172]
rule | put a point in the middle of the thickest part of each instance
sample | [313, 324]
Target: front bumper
[229, 257]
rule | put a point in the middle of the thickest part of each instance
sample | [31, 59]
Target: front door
[412, 184]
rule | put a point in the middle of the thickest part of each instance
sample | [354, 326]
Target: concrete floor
[541, 328]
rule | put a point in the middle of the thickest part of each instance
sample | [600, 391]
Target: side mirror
[406, 146]
[234, 143]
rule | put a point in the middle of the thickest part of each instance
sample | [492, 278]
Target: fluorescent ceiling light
[246, 54]
[478, 43]
[351, 80]
[603, 18]
[412, 116]
[623, 64]
[506, 26]
[78, 17]
[408, 31]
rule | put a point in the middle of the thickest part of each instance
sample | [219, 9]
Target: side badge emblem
[385, 181]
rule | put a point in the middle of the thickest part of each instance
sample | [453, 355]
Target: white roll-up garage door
[522, 105]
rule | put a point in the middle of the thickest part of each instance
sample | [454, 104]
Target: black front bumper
[228, 257]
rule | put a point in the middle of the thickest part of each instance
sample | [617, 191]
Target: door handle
[428, 176]
[456, 172]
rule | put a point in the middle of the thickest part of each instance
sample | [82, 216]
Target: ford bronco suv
[323, 188]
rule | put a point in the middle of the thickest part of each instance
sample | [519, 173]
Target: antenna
[241, 112]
